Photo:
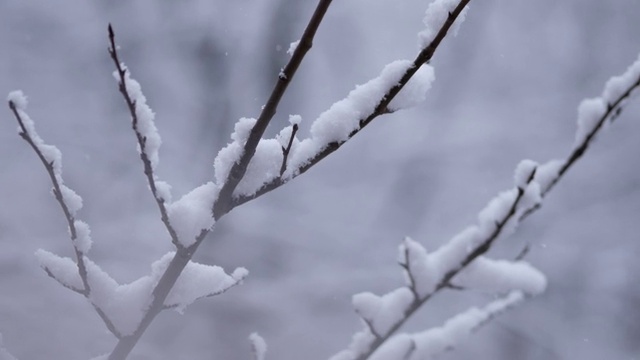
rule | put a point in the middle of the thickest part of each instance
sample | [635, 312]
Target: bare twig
[382, 108]
[146, 162]
[285, 151]
[224, 203]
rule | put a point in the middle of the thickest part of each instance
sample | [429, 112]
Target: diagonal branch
[382, 108]
[225, 202]
[140, 137]
[56, 181]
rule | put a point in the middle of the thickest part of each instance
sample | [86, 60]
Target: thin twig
[382, 108]
[71, 221]
[146, 162]
[285, 151]
[224, 203]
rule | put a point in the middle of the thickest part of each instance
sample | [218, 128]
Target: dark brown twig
[285, 151]
[71, 221]
[146, 162]
[224, 203]
[382, 108]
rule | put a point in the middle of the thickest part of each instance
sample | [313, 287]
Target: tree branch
[225, 202]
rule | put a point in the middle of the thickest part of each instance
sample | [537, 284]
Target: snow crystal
[71, 199]
[382, 312]
[501, 276]
[258, 345]
[63, 269]
[590, 113]
[617, 85]
[83, 236]
[415, 91]
[145, 115]
[292, 47]
[435, 17]
[19, 99]
[193, 213]
[523, 173]
[200, 280]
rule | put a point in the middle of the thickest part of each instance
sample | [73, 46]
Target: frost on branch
[336, 124]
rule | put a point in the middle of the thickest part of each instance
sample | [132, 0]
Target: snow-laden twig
[224, 202]
[446, 12]
[147, 136]
[258, 346]
[63, 271]
[460, 262]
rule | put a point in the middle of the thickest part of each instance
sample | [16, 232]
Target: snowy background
[507, 88]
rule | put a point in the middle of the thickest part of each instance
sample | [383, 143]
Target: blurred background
[507, 89]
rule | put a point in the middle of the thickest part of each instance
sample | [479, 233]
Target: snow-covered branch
[401, 84]
[460, 263]
[147, 136]
[225, 201]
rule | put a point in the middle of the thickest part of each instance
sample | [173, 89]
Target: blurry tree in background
[204, 64]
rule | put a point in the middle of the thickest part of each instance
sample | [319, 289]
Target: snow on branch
[457, 262]
[258, 346]
[147, 136]
[237, 171]
[460, 262]
[69, 201]
[401, 84]
[593, 116]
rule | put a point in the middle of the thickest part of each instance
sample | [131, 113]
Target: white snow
[382, 312]
[200, 280]
[437, 340]
[343, 117]
[264, 167]
[295, 119]
[435, 17]
[501, 276]
[63, 269]
[400, 346]
[590, 112]
[83, 236]
[292, 47]
[258, 346]
[415, 91]
[523, 172]
[360, 342]
[193, 213]
[617, 85]
[231, 153]
[420, 265]
[71, 199]
[547, 172]
[146, 125]
[164, 190]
